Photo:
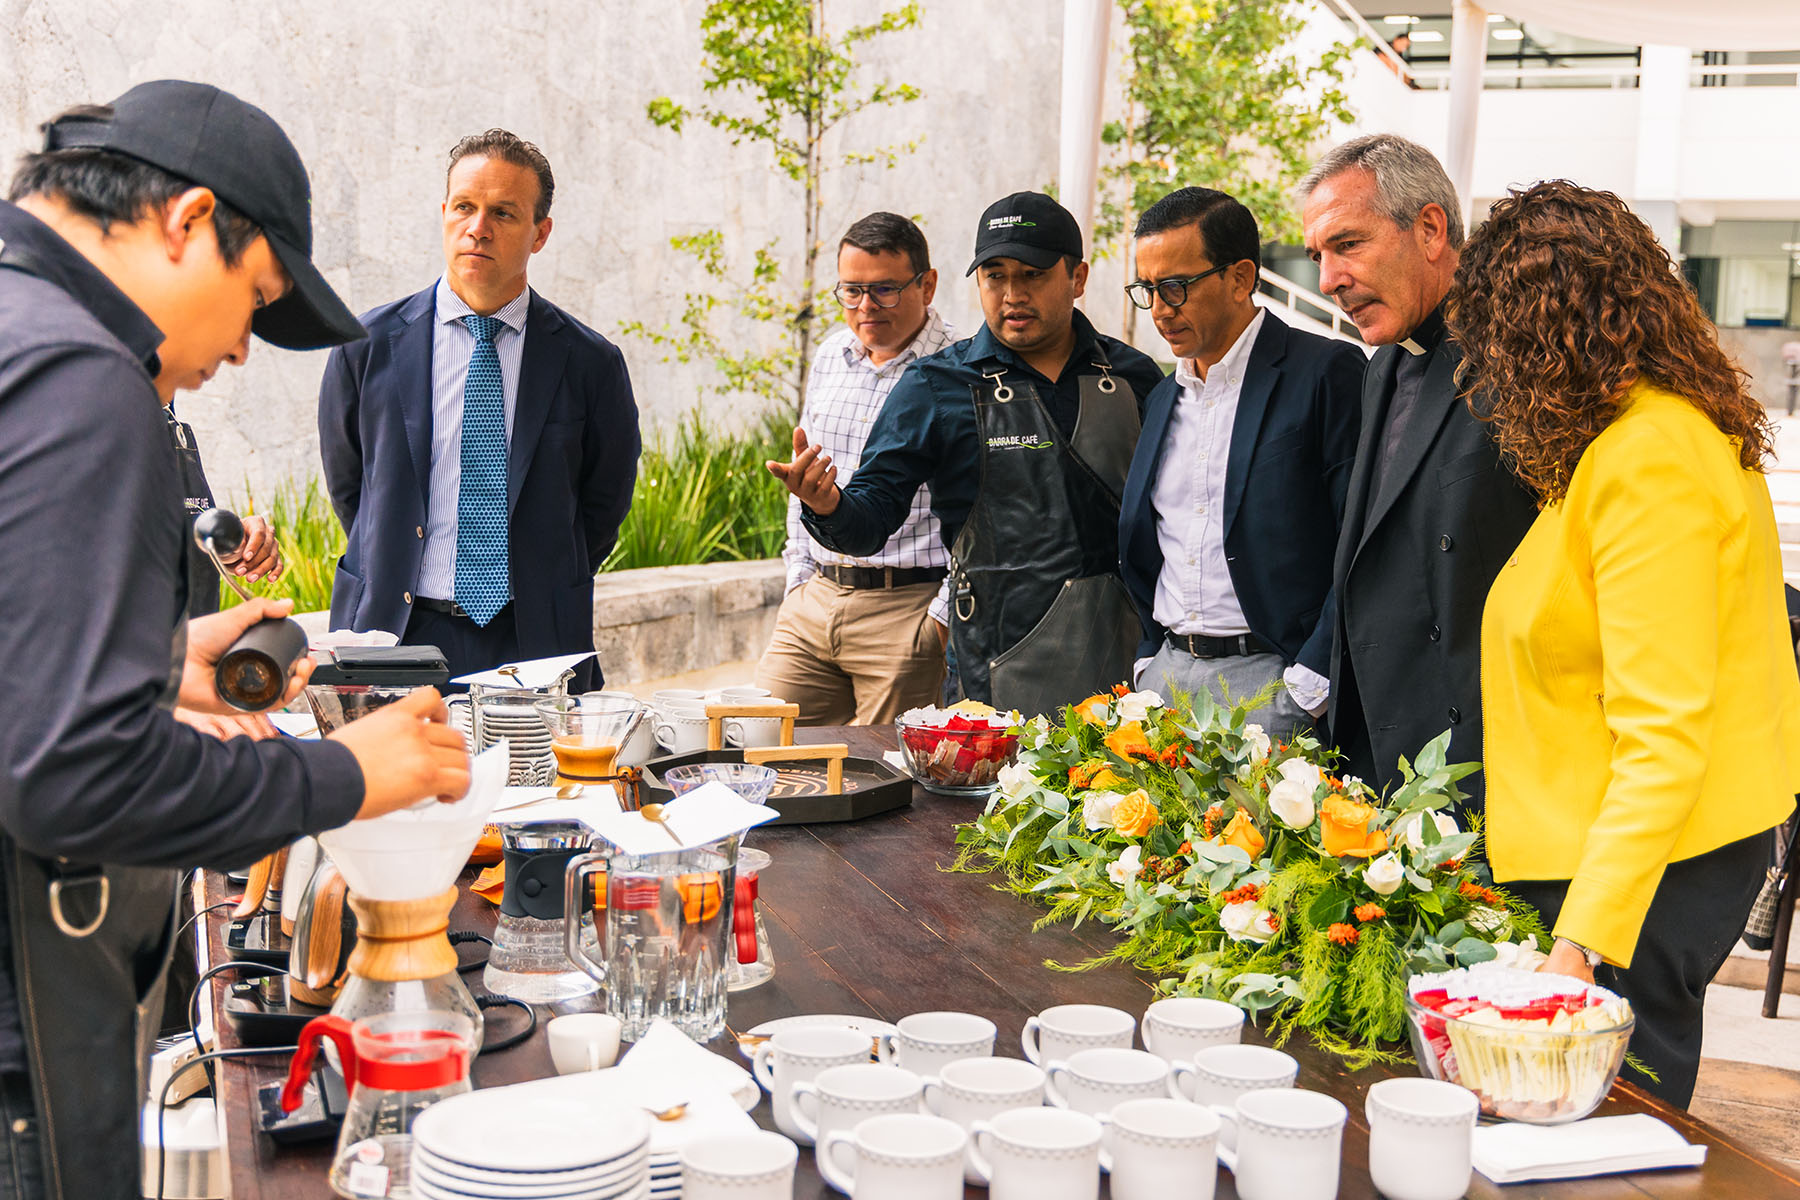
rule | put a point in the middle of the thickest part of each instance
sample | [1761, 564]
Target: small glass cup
[752, 783]
[741, 976]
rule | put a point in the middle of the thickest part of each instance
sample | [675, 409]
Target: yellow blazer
[1638, 688]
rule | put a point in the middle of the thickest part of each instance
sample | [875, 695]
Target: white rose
[1135, 706]
[1292, 801]
[1125, 868]
[1385, 874]
[1017, 781]
[1300, 771]
[1097, 810]
[1522, 955]
[1245, 921]
[1257, 739]
[1411, 828]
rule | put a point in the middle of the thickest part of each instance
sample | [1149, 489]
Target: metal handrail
[1294, 295]
[1438, 80]
[1376, 41]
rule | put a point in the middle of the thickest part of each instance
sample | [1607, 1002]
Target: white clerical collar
[1413, 348]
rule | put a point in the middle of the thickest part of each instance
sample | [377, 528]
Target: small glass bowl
[1538, 1076]
[955, 762]
[751, 782]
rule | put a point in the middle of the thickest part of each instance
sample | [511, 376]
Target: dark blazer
[1292, 444]
[571, 464]
[1411, 578]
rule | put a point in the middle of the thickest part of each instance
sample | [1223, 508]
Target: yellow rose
[1105, 778]
[1134, 815]
[1345, 826]
[1093, 709]
[1242, 834]
[1128, 741]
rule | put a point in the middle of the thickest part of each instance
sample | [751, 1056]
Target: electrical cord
[467, 937]
[211, 908]
[206, 1059]
[507, 1043]
[236, 964]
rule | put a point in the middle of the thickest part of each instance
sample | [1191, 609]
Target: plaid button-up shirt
[843, 395]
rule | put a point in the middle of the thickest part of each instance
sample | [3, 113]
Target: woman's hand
[1566, 958]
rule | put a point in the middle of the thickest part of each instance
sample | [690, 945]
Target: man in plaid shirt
[861, 640]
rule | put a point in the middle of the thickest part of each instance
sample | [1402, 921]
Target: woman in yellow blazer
[1641, 707]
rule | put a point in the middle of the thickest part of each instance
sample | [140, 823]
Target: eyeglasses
[885, 295]
[1173, 290]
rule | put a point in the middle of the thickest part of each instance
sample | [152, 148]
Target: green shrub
[311, 541]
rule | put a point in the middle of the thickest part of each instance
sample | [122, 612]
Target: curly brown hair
[1562, 301]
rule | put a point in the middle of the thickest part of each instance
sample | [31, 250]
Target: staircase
[1306, 309]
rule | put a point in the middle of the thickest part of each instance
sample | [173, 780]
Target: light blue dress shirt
[451, 347]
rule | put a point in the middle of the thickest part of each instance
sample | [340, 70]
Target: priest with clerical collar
[1432, 514]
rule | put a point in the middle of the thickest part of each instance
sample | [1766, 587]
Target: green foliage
[704, 496]
[1216, 97]
[782, 83]
[311, 541]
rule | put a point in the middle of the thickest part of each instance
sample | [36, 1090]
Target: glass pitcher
[395, 1066]
[665, 940]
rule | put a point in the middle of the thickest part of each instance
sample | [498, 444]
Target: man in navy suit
[481, 444]
[1236, 492]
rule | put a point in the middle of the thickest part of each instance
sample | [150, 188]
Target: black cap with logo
[1028, 226]
[214, 140]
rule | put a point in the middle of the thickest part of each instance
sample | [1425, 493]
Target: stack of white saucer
[502, 1145]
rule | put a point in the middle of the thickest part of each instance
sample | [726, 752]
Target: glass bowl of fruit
[958, 751]
[1542, 1049]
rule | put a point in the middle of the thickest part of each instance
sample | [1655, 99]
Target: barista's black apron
[197, 497]
[1041, 617]
[90, 948]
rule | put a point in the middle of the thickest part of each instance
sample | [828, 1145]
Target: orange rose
[1106, 779]
[1093, 709]
[1242, 833]
[1345, 824]
[1128, 741]
[1134, 815]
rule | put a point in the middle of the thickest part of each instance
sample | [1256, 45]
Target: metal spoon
[653, 812]
[511, 673]
[672, 1113]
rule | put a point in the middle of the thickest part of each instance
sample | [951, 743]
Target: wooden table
[862, 920]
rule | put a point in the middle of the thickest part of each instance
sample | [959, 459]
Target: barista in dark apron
[197, 497]
[1041, 617]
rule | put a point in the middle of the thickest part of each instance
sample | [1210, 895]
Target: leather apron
[197, 497]
[1040, 616]
[91, 947]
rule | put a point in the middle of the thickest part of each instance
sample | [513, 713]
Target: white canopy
[1713, 25]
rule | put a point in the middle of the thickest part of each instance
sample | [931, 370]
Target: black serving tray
[870, 787]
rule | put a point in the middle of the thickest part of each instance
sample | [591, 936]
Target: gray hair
[1407, 178]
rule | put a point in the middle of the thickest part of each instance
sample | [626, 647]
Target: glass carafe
[527, 961]
[754, 962]
[587, 733]
[403, 963]
[395, 1066]
[664, 934]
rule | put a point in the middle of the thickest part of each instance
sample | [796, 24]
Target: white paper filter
[419, 851]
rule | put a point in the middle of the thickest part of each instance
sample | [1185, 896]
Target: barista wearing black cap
[1024, 432]
[142, 246]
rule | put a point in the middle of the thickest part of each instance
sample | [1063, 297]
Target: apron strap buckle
[1002, 393]
[89, 876]
[1107, 384]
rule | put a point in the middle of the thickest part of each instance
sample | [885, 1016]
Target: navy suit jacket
[570, 467]
[1293, 441]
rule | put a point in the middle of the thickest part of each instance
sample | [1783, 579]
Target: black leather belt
[433, 604]
[880, 577]
[1205, 645]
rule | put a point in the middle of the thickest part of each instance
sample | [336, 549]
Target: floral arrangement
[1243, 869]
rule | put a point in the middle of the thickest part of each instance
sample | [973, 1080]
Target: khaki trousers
[854, 656]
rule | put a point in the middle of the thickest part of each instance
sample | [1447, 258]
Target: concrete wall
[374, 95]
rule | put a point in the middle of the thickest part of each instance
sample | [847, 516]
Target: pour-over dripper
[586, 732]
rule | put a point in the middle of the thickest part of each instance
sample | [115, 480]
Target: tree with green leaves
[783, 82]
[1217, 95]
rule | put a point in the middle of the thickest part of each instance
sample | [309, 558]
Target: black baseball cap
[1028, 226]
[213, 139]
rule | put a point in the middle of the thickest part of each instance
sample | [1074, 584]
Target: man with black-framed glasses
[860, 639]
[1236, 492]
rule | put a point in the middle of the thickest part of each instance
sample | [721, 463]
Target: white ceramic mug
[752, 731]
[842, 1097]
[1420, 1137]
[794, 1055]
[925, 1043]
[677, 695]
[740, 1166]
[1093, 1081]
[1058, 1032]
[903, 1156]
[746, 695]
[1158, 1148]
[1038, 1154]
[681, 734]
[980, 1089]
[1220, 1074]
[1180, 1027]
[583, 1042]
[1288, 1144]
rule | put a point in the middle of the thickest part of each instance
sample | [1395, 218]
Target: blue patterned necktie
[483, 585]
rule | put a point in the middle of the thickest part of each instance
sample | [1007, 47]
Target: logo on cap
[1010, 221]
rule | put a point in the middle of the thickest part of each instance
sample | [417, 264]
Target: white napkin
[1515, 1153]
[536, 673]
[593, 804]
[418, 851]
[706, 814]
